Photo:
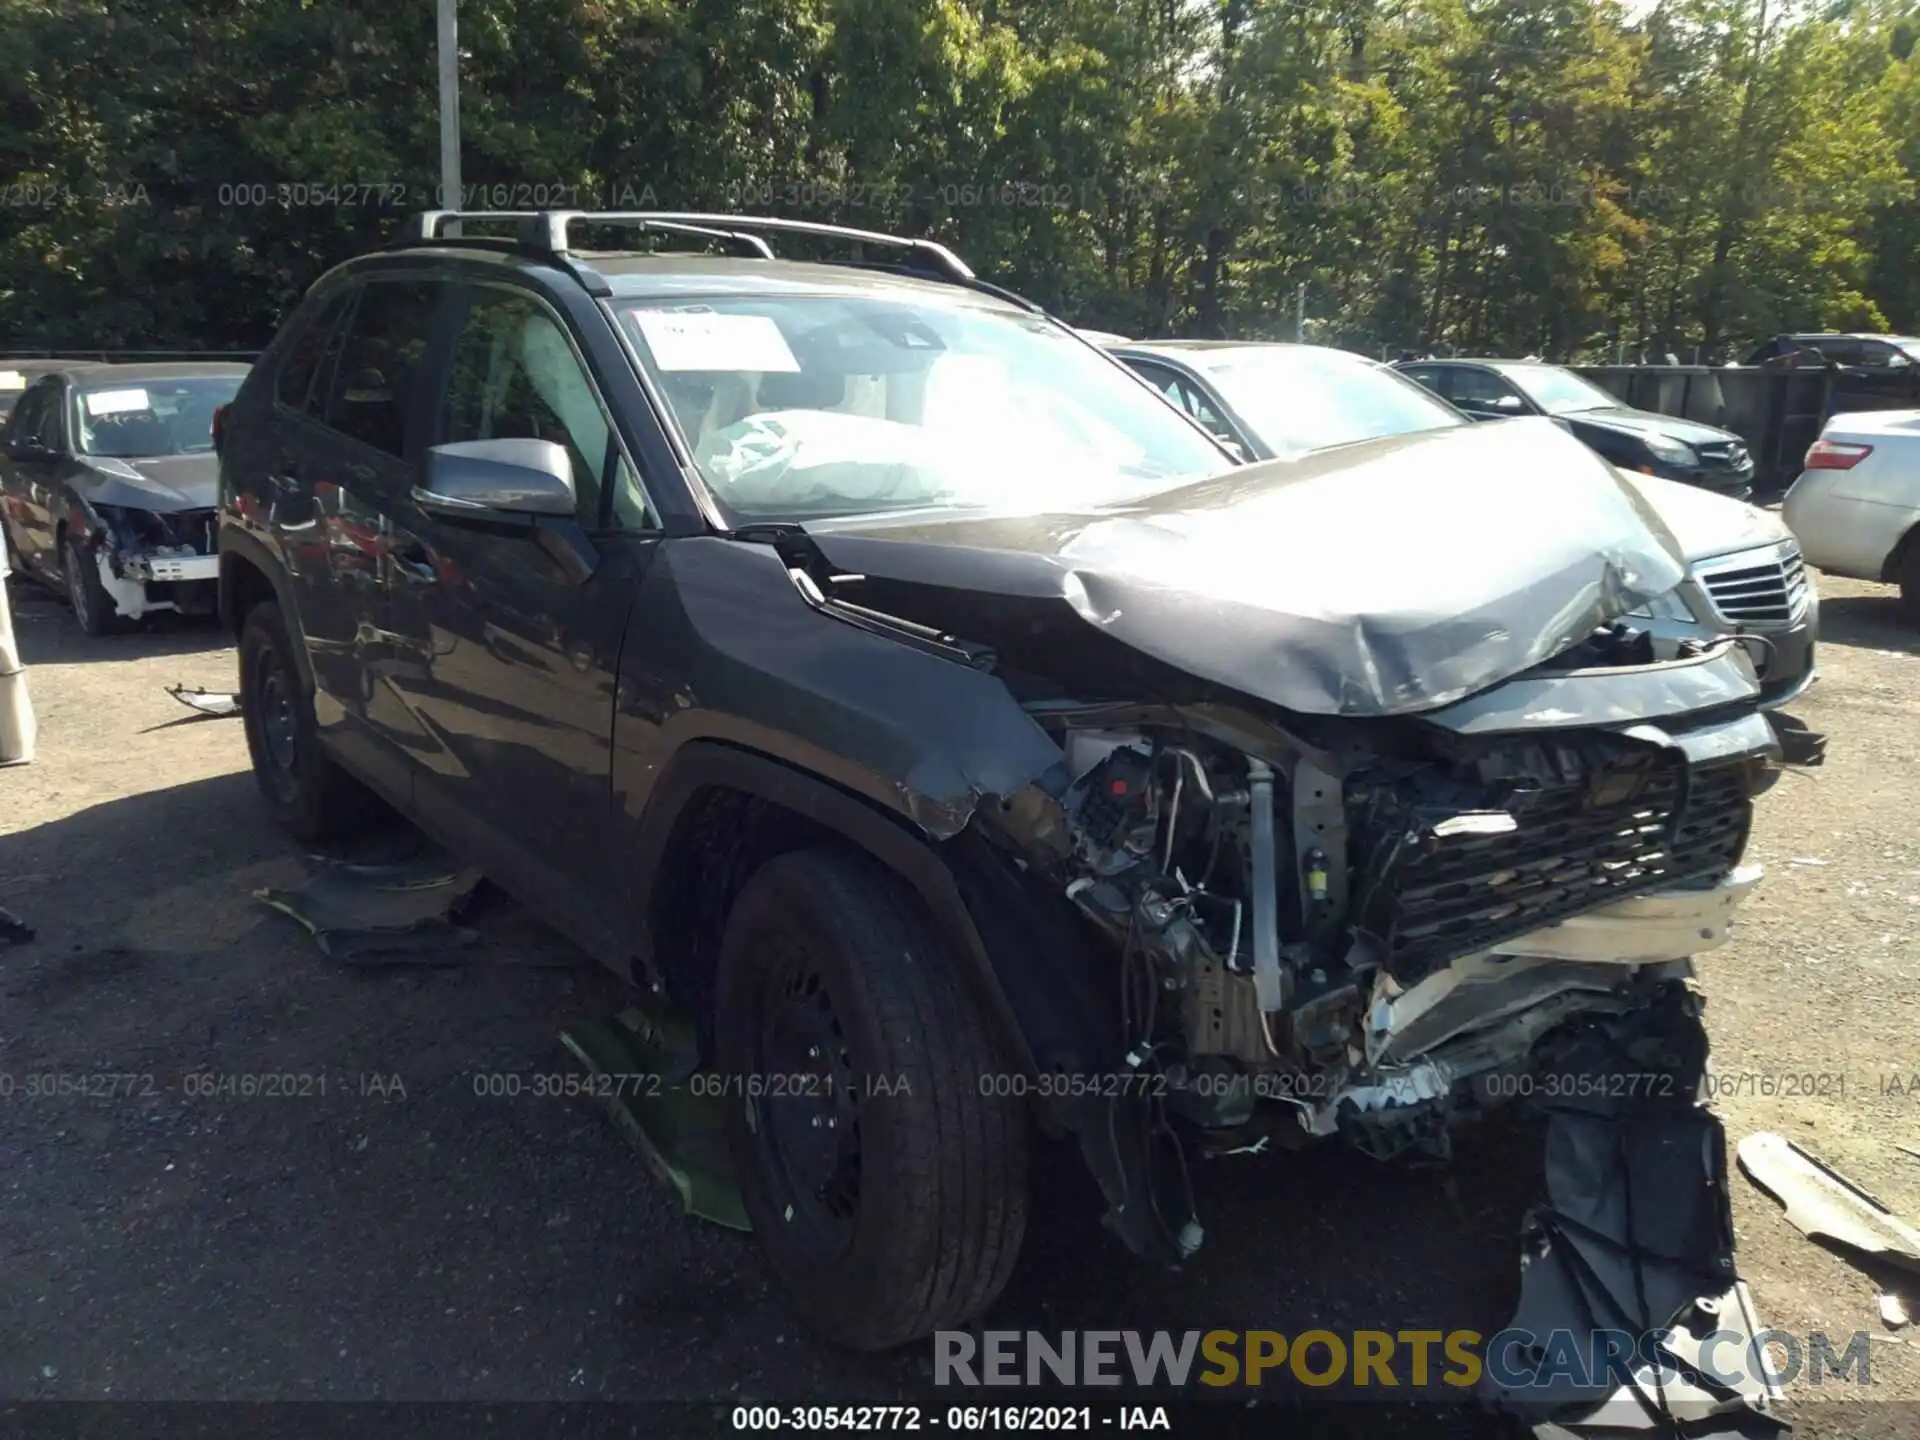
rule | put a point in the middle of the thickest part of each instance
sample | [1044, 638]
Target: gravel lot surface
[401, 1237]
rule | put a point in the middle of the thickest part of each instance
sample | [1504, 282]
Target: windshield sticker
[115, 402]
[12, 380]
[691, 340]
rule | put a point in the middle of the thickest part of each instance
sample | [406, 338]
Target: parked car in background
[1856, 506]
[888, 677]
[1745, 575]
[1638, 440]
[109, 485]
[1898, 353]
[1865, 372]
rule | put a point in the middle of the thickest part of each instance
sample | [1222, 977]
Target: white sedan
[1856, 506]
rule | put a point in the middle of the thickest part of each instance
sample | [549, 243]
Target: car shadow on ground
[1868, 622]
[47, 633]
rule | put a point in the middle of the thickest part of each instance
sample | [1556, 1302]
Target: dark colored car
[1868, 372]
[978, 756]
[108, 486]
[1272, 400]
[1641, 440]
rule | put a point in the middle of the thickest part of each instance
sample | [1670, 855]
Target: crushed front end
[156, 560]
[1380, 928]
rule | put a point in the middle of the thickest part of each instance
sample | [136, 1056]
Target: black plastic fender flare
[702, 763]
[236, 546]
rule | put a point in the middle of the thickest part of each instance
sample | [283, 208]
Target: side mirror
[500, 479]
[1509, 405]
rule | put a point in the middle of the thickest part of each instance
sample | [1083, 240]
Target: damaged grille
[195, 528]
[1761, 587]
[1567, 856]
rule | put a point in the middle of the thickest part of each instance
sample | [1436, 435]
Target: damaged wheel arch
[678, 904]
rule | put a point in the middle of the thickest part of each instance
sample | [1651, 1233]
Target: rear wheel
[80, 575]
[886, 1182]
[309, 794]
[1909, 578]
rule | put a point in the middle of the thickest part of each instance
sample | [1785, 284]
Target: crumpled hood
[1644, 422]
[1704, 523]
[175, 482]
[1382, 578]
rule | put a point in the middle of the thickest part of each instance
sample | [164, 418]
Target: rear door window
[23, 426]
[1483, 391]
[381, 356]
[302, 381]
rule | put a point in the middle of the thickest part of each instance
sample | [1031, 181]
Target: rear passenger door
[513, 638]
[351, 460]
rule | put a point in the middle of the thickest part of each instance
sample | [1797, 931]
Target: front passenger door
[521, 628]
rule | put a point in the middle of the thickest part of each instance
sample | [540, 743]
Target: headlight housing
[1671, 452]
[1670, 606]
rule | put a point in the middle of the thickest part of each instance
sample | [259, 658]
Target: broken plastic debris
[644, 1062]
[1823, 1204]
[208, 702]
[13, 930]
[1893, 1310]
[397, 912]
[1806, 860]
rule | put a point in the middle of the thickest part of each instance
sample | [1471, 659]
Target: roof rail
[427, 228]
[545, 232]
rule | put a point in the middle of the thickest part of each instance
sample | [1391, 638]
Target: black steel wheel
[885, 1177]
[309, 794]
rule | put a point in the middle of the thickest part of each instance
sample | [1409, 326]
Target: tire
[80, 578]
[310, 796]
[1909, 578]
[917, 1223]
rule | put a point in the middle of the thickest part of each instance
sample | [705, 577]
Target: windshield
[808, 406]
[146, 418]
[1297, 399]
[1558, 391]
[1910, 347]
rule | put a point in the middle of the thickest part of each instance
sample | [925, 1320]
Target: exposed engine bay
[152, 560]
[1358, 927]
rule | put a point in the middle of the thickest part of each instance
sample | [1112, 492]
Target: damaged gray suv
[890, 679]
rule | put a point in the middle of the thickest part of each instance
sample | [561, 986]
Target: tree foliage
[1565, 177]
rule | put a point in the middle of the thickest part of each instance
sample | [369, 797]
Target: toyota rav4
[888, 677]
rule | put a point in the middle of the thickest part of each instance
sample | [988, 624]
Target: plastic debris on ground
[13, 930]
[402, 913]
[1824, 1205]
[217, 703]
[643, 1067]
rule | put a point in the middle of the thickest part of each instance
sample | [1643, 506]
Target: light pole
[448, 27]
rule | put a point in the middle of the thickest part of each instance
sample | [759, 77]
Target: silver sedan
[1856, 506]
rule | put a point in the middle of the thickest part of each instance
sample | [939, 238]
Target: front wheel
[1910, 581]
[92, 606]
[885, 1178]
